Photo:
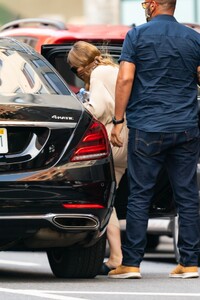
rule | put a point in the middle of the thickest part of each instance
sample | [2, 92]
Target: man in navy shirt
[157, 87]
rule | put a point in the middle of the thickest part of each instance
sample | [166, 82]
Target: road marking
[40, 294]
[17, 263]
[125, 293]
[55, 294]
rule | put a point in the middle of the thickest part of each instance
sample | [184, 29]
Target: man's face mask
[148, 13]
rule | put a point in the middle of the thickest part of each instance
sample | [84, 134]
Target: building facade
[91, 11]
[186, 11]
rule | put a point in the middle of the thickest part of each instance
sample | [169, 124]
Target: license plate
[3, 141]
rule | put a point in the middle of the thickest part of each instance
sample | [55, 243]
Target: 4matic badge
[66, 118]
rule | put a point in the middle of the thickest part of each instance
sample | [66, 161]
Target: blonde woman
[99, 73]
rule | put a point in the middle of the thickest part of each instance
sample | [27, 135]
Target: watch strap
[115, 122]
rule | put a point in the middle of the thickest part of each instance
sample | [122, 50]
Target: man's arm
[123, 87]
[198, 75]
[122, 94]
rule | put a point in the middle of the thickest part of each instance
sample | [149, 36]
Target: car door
[57, 56]
[162, 204]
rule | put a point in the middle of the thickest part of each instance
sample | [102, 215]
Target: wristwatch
[115, 122]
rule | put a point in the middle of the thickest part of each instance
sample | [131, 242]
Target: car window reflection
[20, 73]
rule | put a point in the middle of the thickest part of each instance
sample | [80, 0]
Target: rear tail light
[94, 144]
[86, 205]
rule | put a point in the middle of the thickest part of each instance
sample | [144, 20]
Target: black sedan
[57, 182]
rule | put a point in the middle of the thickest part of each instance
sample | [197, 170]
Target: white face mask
[148, 14]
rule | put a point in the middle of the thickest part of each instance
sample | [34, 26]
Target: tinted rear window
[25, 73]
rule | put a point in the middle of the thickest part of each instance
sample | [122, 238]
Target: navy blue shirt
[164, 95]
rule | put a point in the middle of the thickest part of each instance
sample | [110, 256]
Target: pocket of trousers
[148, 143]
[192, 140]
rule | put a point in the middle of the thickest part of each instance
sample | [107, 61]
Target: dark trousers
[147, 153]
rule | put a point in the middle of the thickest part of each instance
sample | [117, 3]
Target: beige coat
[101, 105]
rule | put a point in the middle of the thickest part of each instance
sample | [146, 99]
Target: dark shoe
[104, 269]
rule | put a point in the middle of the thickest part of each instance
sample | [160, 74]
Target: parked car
[57, 181]
[38, 31]
[54, 39]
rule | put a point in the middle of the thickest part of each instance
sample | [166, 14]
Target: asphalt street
[25, 275]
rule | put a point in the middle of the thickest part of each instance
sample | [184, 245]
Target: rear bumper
[50, 230]
[60, 221]
[35, 213]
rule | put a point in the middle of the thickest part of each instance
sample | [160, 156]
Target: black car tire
[79, 262]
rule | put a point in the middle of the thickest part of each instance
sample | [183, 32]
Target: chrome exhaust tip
[76, 222]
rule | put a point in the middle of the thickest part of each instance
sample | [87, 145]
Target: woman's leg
[114, 241]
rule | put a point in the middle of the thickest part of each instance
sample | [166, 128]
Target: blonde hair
[88, 56]
[83, 53]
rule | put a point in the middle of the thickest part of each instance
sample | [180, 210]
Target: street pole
[196, 15]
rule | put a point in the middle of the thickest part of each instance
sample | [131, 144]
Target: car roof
[12, 44]
[45, 31]
[102, 32]
[194, 26]
[39, 31]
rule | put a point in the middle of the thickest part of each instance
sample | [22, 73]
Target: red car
[39, 31]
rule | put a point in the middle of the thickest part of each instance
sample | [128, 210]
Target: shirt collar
[164, 18]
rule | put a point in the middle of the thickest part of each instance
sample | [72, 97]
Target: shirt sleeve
[129, 47]
[101, 103]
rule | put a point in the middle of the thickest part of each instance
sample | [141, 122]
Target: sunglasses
[74, 70]
[144, 4]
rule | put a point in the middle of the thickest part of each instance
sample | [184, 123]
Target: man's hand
[115, 135]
